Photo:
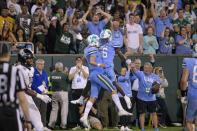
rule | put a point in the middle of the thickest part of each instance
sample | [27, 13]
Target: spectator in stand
[133, 7]
[189, 13]
[40, 85]
[25, 21]
[141, 21]
[195, 7]
[163, 20]
[181, 21]
[125, 83]
[60, 84]
[12, 11]
[64, 42]
[150, 42]
[166, 42]
[117, 33]
[133, 30]
[96, 26]
[53, 31]
[40, 27]
[194, 37]
[6, 34]
[15, 5]
[20, 35]
[39, 4]
[76, 28]
[183, 42]
[176, 30]
[4, 17]
[189, 30]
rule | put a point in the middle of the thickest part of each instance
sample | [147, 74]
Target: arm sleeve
[138, 74]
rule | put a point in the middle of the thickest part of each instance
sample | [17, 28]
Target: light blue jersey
[145, 85]
[97, 78]
[93, 51]
[191, 65]
[108, 54]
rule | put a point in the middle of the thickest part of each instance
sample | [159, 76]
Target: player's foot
[122, 128]
[162, 125]
[78, 101]
[127, 129]
[124, 113]
[84, 121]
[46, 129]
[128, 102]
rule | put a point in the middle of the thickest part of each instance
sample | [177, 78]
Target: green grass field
[146, 129]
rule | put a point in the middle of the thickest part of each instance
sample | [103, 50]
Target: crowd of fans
[62, 26]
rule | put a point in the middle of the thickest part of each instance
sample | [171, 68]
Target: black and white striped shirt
[11, 82]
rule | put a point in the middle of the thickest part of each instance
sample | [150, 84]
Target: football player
[94, 59]
[25, 64]
[189, 81]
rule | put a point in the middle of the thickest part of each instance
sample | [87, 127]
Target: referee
[11, 94]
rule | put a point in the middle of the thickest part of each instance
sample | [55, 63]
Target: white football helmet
[93, 40]
[106, 34]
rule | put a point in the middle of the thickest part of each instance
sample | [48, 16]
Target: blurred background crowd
[62, 26]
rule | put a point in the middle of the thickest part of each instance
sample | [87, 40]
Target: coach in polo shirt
[78, 75]
[40, 85]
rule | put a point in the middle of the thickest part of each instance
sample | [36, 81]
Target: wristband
[28, 122]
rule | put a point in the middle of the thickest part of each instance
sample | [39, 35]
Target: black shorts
[10, 120]
[149, 106]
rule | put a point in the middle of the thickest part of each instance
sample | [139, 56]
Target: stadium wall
[171, 66]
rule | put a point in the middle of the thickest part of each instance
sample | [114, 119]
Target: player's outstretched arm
[30, 92]
[120, 55]
[184, 79]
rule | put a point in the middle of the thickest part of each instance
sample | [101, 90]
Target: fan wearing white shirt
[133, 37]
[78, 75]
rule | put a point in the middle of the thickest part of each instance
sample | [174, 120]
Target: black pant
[163, 110]
[76, 93]
[42, 107]
[134, 104]
[125, 120]
[10, 120]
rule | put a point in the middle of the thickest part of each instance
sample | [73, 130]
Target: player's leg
[111, 75]
[104, 82]
[64, 108]
[83, 94]
[191, 112]
[54, 110]
[95, 89]
[34, 114]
